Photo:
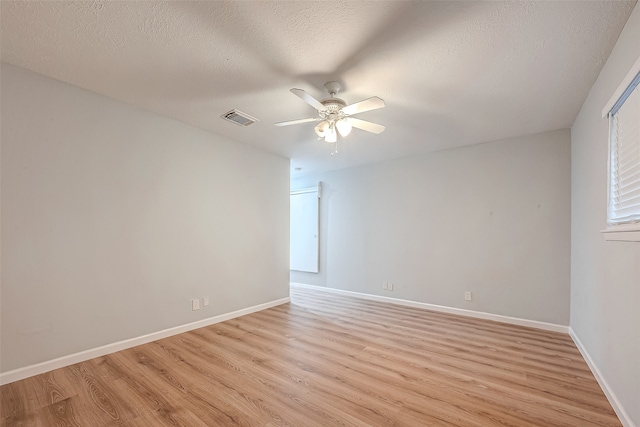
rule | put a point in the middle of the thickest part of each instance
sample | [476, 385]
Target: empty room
[318, 213]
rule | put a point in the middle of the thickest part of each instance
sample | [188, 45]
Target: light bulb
[321, 128]
[331, 136]
[344, 126]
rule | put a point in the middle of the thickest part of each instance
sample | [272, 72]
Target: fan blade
[365, 125]
[308, 99]
[295, 122]
[372, 103]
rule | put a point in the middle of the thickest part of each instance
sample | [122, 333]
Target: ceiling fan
[334, 114]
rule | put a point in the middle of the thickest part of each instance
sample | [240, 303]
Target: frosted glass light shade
[344, 126]
[331, 136]
[321, 128]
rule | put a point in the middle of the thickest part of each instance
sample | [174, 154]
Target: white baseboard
[613, 400]
[451, 310]
[60, 362]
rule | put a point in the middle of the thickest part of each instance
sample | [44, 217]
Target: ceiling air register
[239, 118]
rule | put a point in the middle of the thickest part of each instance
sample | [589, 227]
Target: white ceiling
[451, 73]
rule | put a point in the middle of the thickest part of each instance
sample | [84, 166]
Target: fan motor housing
[333, 103]
[333, 108]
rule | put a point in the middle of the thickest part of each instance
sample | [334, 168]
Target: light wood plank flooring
[325, 360]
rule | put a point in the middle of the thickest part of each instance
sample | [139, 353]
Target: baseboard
[451, 310]
[613, 400]
[60, 362]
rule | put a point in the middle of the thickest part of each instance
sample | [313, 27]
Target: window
[623, 110]
[624, 180]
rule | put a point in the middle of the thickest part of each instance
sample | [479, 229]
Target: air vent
[239, 118]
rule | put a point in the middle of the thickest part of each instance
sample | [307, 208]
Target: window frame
[629, 232]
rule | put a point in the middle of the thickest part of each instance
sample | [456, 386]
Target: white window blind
[624, 181]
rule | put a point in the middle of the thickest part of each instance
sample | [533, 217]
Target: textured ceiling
[451, 73]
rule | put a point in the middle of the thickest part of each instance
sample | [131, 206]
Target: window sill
[622, 233]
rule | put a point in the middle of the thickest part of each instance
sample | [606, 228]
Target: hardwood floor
[325, 360]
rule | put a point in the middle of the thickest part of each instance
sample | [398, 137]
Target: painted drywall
[605, 275]
[113, 218]
[493, 219]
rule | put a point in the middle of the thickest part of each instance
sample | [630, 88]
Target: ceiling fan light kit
[334, 115]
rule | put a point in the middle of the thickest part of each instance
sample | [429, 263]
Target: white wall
[113, 218]
[493, 219]
[605, 276]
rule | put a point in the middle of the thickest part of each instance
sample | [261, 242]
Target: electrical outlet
[385, 285]
[205, 301]
[195, 304]
[467, 296]
[390, 286]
